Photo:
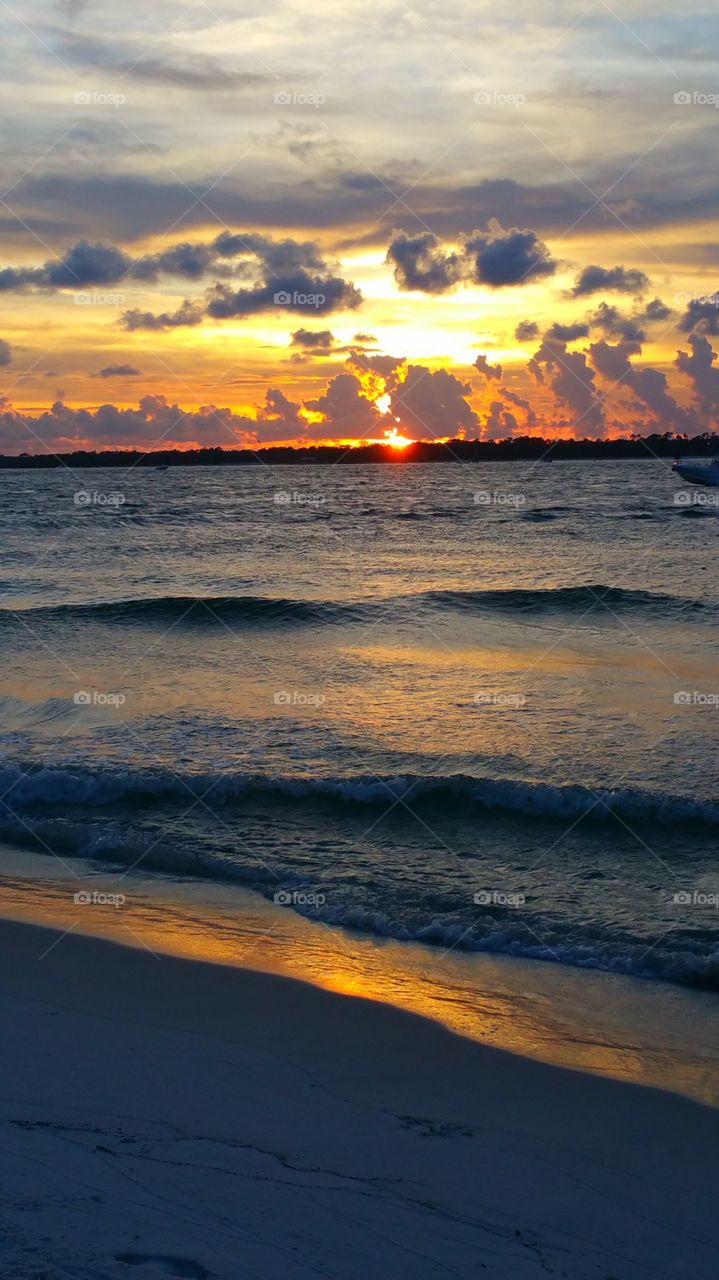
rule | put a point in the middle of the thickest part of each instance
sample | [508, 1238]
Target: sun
[396, 440]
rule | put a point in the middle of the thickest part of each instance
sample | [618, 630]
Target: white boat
[698, 473]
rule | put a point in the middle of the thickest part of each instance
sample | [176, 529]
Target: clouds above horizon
[250, 198]
[591, 393]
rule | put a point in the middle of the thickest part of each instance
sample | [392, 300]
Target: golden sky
[310, 222]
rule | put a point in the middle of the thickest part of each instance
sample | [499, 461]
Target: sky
[315, 221]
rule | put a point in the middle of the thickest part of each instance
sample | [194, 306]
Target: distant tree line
[519, 448]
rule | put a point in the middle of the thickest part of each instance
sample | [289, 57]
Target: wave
[566, 599]
[278, 610]
[192, 610]
[695, 965]
[685, 959]
[453, 794]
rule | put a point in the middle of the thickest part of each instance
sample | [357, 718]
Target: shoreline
[625, 1028]
[173, 1111]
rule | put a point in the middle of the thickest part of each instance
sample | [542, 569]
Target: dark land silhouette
[518, 448]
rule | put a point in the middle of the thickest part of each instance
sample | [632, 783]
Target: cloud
[649, 386]
[495, 257]
[346, 410]
[701, 315]
[278, 419]
[502, 258]
[567, 332]
[118, 371]
[616, 325]
[699, 368]
[434, 404]
[488, 370]
[521, 403]
[421, 264]
[526, 331]
[593, 279]
[313, 339]
[286, 272]
[311, 295]
[5, 353]
[188, 314]
[154, 423]
[572, 382]
[138, 61]
[501, 422]
[83, 264]
[655, 310]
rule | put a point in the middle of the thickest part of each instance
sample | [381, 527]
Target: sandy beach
[167, 1117]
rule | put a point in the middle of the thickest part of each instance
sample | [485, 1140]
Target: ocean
[473, 707]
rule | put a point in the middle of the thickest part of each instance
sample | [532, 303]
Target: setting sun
[397, 441]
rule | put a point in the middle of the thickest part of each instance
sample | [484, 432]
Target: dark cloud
[701, 315]
[503, 258]
[118, 371]
[311, 295]
[614, 324]
[700, 369]
[593, 279]
[501, 422]
[5, 352]
[280, 273]
[83, 264]
[655, 310]
[572, 382]
[488, 371]
[521, 403]
[420, 263]
[649, 386]
[277, 419]
[433, 405]
[526, 331]
[155, 422]
[613, 362]
[494, 257]
[188, 314]
[313, 339]
[567, 332]
[102, 264]
[346, 410]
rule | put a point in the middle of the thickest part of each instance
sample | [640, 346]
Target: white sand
[165, 1117]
